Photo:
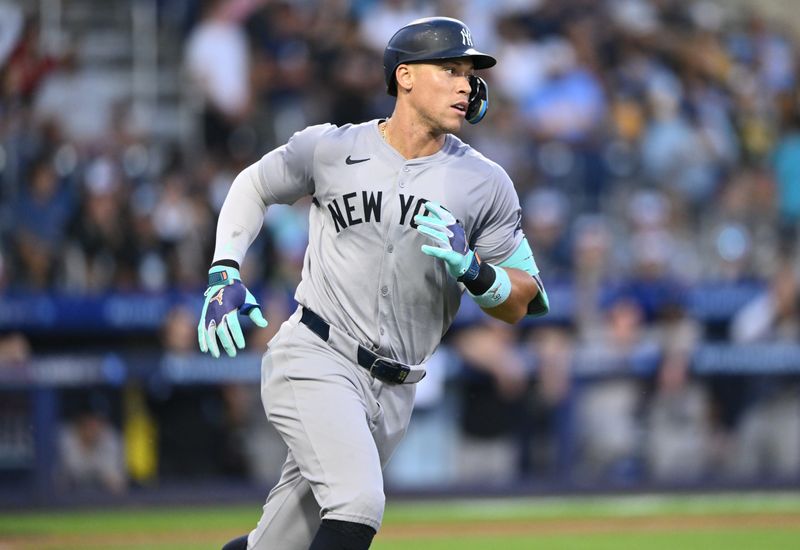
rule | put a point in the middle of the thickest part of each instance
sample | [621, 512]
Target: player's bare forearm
[523, 290]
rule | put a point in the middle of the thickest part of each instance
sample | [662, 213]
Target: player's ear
[405, 77]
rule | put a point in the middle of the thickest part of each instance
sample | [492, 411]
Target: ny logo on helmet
[466, 37]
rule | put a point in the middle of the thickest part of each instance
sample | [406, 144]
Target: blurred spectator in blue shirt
[545, 222]
[42, 213]
[786, 166]
[674, 154]
[570, 104]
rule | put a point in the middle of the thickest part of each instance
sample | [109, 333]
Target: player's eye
[453, 71]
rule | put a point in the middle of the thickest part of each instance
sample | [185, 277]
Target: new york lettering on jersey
[366, 206]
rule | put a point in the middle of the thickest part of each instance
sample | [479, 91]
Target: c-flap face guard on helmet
[478, 99]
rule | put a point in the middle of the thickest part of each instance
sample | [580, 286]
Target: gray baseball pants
[341, 427]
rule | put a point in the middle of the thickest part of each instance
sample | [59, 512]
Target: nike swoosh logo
[348, 160]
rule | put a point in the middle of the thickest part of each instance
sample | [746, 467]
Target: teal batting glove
[226, 297]
[449, 241]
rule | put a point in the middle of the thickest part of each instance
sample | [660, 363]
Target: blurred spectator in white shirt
[679, 437]
[91, 455]
[217, 59]
[768, 433]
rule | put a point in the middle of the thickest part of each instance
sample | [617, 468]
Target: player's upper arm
[287, 173]
[498, 232]
[523, 259]
[501, 239]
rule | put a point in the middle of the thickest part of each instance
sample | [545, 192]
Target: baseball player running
[405, 217]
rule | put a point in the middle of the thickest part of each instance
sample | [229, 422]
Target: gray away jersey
[363, 269]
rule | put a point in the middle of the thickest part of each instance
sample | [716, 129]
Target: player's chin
[454, 122]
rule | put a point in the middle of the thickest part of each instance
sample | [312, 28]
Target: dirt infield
[411, 531]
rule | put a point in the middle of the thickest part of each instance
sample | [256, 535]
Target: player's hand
[449, 240]
[226, 297]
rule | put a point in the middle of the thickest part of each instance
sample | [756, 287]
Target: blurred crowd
[654, 144]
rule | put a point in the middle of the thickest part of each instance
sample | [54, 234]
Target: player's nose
[463, 85]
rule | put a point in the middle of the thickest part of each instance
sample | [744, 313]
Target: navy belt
[382, 368]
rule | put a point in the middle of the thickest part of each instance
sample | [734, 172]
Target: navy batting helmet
[428, 39]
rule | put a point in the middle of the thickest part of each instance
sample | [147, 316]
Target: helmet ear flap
[478, 99]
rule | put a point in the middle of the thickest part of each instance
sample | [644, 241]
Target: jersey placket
[387, 275]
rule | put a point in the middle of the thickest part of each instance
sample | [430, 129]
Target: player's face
[441, 91]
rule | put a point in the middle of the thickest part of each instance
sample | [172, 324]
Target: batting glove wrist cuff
[497, 293]
[223, 275]
[483, 279]
[473, 269]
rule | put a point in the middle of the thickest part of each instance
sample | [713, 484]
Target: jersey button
[382, 331]
[402, 183]
[384, 290]
[390, 248]
[406, 169]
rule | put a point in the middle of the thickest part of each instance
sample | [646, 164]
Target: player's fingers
[433, 234]
[435, 224]
[224, 334]
[257, 317]
[434, 251]
[439, 211]
[429, 221]
[211, 339]
[201, 337]
[433, 207]
[235, 329]
[253, 310]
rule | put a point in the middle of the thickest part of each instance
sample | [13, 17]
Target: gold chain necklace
[383, 130]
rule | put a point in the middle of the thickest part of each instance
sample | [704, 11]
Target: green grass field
[708, 522]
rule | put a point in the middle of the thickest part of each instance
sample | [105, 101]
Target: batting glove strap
[479, 277]
[221, 275]
[497, 293]
[472, 272]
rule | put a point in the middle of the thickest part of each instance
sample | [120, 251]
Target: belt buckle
[399, 374]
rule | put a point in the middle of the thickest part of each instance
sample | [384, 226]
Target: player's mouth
[461, 107]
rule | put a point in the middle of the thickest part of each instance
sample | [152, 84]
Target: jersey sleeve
[281, 177]
[287, 173]
[499, 232]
